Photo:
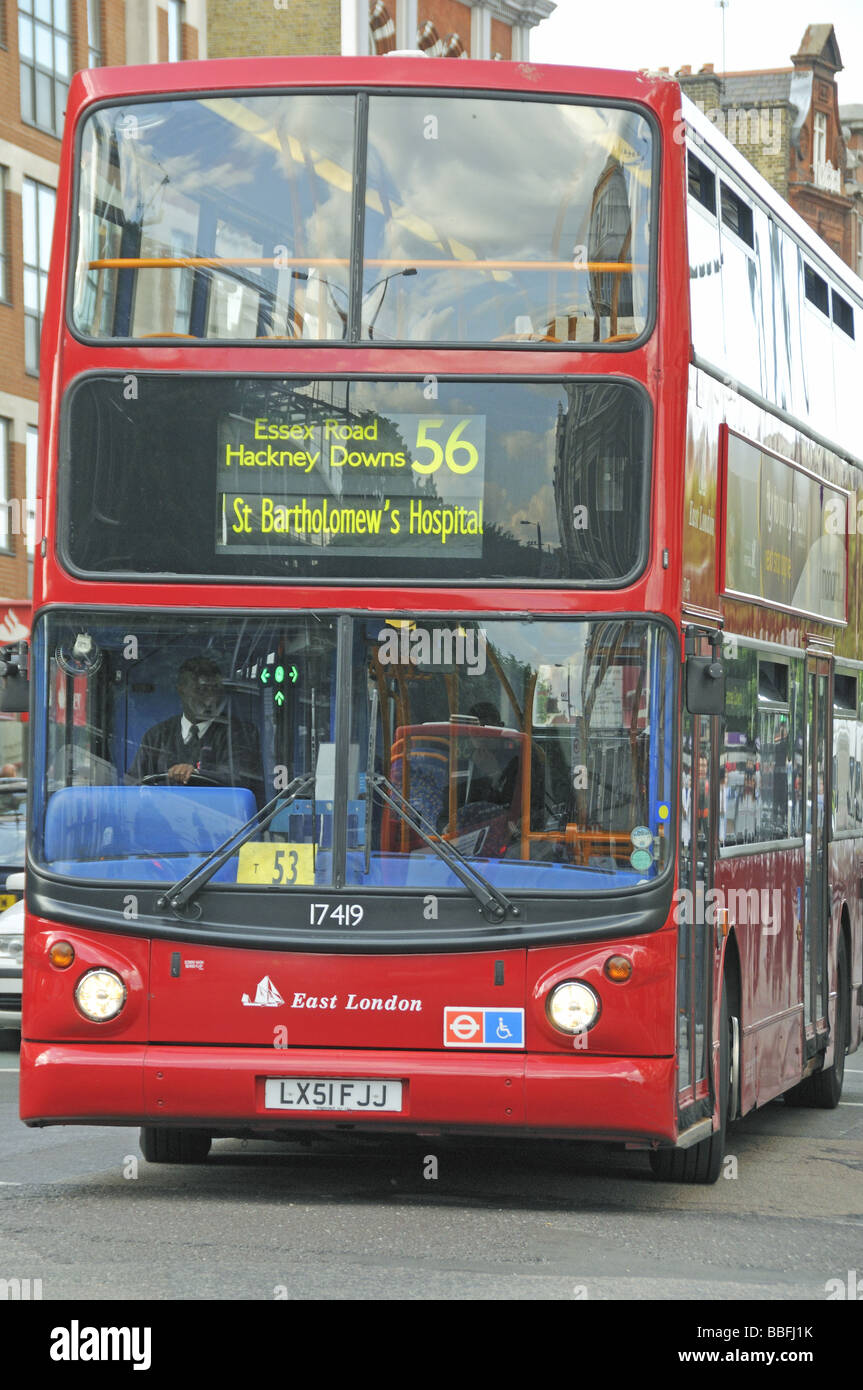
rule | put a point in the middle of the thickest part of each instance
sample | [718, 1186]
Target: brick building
[441, 28]
[42, 42]
[786, 121]
[852, 134]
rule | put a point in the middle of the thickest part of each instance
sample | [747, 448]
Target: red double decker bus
[445, 673]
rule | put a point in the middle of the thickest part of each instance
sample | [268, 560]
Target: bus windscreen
[478, 219]
[542, 751]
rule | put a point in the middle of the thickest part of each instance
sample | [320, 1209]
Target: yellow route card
[276, 865]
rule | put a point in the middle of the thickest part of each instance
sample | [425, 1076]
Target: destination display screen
[414, 482]
[423, 480]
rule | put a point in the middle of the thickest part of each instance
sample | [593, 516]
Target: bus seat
[425, 786]
[114, 822]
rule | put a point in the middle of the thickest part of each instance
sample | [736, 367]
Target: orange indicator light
[618, 968]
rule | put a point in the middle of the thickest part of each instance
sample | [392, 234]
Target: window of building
[94, 34]
[45, 51]
[176, 10]
[5, 499]
[5, 289]
[819, 147]
[31, 504]
[37, 202]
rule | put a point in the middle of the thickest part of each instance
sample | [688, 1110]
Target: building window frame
[31, 510]
[37, 227]
[45, 62]
[819, 140]
[7, 546]
[5, 260]
[95, 53]
[176, 18]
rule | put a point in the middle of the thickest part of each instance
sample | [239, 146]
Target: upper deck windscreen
[229, 218]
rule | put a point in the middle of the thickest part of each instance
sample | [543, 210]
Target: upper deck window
[816, 289]
[737, 215]
[701, 182]
[505, 221]
[843, 314]
[482, 220]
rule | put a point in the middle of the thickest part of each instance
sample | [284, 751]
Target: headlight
[573, 1007]
[100, 995]
[12, 946]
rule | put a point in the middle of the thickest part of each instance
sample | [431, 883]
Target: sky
[669, 33]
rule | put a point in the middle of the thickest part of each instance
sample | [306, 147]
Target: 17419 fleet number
[346, 914]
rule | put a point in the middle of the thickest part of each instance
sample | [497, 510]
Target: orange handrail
[213, 262]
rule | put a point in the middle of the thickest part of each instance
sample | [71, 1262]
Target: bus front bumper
[223, 1089]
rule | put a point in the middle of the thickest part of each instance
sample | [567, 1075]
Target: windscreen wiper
[495, 905]
[183, 891]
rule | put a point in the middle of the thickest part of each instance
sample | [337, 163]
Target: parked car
[11, 964]
[13, 835]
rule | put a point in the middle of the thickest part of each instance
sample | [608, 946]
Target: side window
[705, 261]
[818, 351]
[773, 749]
[741, 288]
[761, 771]
[846, 765]
[737, 215]
[737, 770]
[701, 182]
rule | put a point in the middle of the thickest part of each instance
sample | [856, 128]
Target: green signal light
[265, 675]
[279, 697]
[279, 674]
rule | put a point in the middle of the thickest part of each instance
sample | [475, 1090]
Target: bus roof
[105, 84]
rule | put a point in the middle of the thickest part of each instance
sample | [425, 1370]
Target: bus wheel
[702, 1163]
[174, 1145]
[823, 1090]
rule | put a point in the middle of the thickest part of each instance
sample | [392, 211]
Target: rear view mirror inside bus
[705, 685]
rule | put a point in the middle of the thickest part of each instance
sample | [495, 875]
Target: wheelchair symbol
[502, 1029]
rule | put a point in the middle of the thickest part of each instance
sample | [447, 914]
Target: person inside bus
[202, 742]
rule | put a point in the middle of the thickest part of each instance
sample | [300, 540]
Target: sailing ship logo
[266, 995]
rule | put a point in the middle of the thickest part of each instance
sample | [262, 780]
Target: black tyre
[823, 1090]
[702, 1163]
[174, 1145]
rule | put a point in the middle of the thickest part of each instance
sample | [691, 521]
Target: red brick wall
[501, 38]
[13, 568]
[190, 41]
[114, 32]
[161, 34]
[447, 16]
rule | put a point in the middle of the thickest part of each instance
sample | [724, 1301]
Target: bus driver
[201, 742]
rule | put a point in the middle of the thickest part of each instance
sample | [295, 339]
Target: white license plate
[337, 1093]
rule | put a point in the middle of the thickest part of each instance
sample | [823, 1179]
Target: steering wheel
[197, 779]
